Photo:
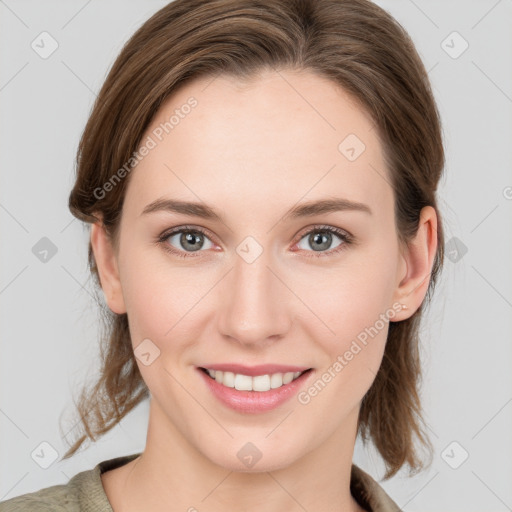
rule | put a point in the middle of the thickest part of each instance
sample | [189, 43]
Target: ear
[106, 261]
[418, 259]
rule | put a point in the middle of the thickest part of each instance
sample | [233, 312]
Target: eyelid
[346, 237]
[187, 227]
[162, 239]
[320, 227]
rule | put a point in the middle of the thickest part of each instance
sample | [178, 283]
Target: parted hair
[359, 47]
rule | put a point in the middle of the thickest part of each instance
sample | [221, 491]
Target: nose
[254, 303]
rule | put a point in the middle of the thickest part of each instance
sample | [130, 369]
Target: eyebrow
[308, 209]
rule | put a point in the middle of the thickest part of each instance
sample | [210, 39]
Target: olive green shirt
[85, 493]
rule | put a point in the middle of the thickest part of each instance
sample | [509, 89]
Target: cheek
[154, 296]
[349, 299]
[163, 298]
[352, 306]
[359, 320]
[160, 305]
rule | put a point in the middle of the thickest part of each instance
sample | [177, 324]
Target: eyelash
[345, 237]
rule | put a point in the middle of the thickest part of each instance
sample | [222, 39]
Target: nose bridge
[253, 307]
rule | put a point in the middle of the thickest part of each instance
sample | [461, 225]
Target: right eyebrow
[185, 207]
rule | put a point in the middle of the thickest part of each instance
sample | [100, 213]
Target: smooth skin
[252, 151]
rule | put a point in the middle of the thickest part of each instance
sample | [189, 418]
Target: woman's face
[263, 285]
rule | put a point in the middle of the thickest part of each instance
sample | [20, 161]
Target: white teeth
[276, 380]
[243, 382]
[258, 383]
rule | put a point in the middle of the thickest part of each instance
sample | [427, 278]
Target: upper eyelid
[178, 229]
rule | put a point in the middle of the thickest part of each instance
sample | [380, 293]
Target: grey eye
[189, 240]
[320, 240]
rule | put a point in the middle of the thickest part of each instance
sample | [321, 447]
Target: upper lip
[253, 371]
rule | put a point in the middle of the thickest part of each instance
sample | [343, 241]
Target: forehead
[274, 139]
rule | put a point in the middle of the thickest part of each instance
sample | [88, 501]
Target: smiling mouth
[259, 383]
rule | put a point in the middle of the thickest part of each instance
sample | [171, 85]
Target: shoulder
[56, 498]
[83, 492]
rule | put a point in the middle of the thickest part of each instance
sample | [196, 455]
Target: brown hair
[355, 44]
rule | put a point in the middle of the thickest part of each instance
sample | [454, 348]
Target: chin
[251, 457]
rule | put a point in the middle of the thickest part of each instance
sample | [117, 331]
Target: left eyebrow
[313, 208]
[308, 209]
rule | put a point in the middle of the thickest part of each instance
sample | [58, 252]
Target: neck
[172, 474]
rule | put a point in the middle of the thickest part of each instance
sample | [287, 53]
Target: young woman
[260, 179]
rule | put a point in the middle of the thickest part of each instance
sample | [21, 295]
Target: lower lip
[254, 401]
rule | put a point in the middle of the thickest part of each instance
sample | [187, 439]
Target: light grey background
[48, 317]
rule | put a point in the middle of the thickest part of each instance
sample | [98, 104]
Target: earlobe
[419, 258]
[108, 270]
